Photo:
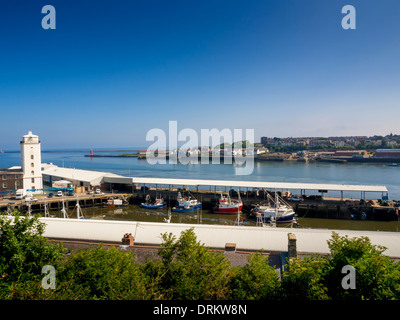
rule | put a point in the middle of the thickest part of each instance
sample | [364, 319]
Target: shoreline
[256, 158]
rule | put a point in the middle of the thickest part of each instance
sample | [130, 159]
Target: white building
[31, 162]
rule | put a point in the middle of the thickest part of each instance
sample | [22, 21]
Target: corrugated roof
[258, 184]
[78, 174]
[95, 177]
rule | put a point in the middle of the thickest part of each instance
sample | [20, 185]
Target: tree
[188, 270]
[23, 249]
[23, 252]
[256, 280]
[105, 273]
[377, 276]
[304, 279]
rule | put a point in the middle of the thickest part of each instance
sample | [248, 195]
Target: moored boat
[156, 204]
[187, 201]
[392, 165]
[228, 205]
[276, 209]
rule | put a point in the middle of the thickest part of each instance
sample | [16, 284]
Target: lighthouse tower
[31, 162]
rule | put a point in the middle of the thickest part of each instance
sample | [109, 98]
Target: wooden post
[230, 247]
[292, 245]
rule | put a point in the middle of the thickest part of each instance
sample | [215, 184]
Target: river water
[313, 172]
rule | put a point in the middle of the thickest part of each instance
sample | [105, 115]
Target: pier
[208, 192]
[54, 203]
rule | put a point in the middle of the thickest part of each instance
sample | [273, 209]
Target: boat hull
[183, 204]
[285, 218]
[228, 210]
[281, 216]
[152, 206]
[191, 209]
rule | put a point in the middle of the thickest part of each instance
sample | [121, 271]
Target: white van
[20, 194]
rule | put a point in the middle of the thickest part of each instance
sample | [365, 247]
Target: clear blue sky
[112, 70]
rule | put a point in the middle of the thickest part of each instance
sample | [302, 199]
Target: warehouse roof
[92, 177]
[97, 177]
[253, 184]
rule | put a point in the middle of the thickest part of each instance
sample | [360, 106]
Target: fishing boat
[156, 204]
[392, 165]
[228, 205]
[188, 201]
[276, 209]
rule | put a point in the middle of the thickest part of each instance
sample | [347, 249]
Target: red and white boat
[228, 205]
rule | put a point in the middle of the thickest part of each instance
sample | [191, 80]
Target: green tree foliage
[186, 269]
[105, 274]
[317, 278]
[304, 279]
[23, 251]
[377, 276]
[256, 280]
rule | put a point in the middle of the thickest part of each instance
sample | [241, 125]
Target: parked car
[296, 199]
[59, 193]
[30, 199]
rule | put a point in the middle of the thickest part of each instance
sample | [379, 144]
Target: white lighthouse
[31, 162]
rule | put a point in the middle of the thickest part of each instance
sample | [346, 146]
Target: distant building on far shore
[387, 153]
[351, 153]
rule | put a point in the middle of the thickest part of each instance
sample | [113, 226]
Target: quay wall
[309, 241]
[327, 208]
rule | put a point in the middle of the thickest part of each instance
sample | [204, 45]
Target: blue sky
[113, 70]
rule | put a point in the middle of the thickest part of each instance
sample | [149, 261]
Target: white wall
[215, 236]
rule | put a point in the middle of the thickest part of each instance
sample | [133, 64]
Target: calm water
[136, 213]
[368, 174]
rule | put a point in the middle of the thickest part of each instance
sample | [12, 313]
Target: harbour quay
[54, 203]
[252, 192]
[309, 206]
[310, 201]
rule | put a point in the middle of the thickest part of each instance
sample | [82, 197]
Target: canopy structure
[320, 187]
[96, 178]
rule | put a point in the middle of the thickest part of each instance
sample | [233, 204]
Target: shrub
[256, 280]
[104, 274]
[304, 279]
[23, 252]
[377, 276]
[188, 270]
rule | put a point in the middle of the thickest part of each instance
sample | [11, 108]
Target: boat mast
[46, 210]
[29, 209]
[78, 210]
[63, 210]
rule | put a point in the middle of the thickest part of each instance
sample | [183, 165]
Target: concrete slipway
[214, 236]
